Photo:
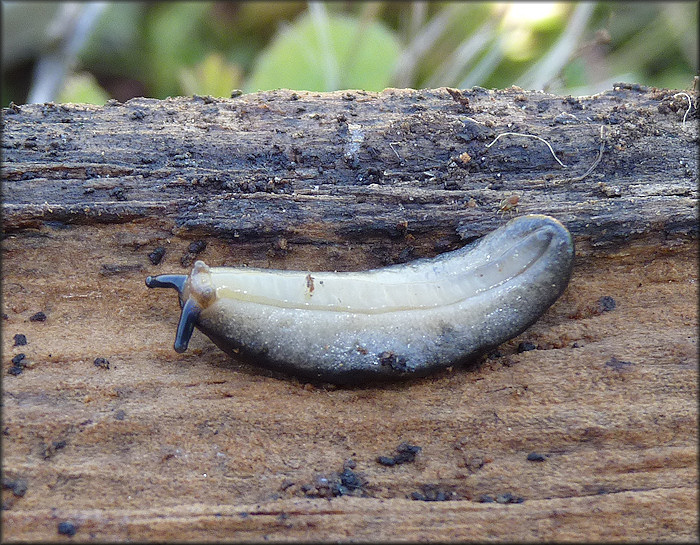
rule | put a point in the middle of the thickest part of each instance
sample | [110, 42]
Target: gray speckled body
[392, 323]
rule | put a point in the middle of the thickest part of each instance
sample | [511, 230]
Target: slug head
[195, 293]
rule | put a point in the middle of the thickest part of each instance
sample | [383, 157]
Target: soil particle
[156, 256]
[195, 248]
[17, 360]
[18, 486]
[508, 498]
[501, 498]
[619, 365]
[18, 365]
[67, 528]
[405, 453]
[397, 363]
[526, 346]
[343, 483]
[50, 450]
[102, 363]
[606, 303]
[536, 457]
[433, 492]
[459, 98]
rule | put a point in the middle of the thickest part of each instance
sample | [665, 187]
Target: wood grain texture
[146, 444]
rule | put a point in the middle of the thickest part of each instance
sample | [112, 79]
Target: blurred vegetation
[161, 49]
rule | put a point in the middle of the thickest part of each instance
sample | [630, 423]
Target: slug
[395, 322]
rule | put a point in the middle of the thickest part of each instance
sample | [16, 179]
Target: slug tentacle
[176, 281]
[396, 322]
[190, 309]
[185, 327]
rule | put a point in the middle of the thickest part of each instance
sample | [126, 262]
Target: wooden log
[110, 434]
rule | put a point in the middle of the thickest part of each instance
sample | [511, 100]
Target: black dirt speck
[619, 365]
[508, 498]
[18, 365]
[18, 486]
[67, 528]
[397, 363]
[526, 346]
[346, 482]
[102, 363]
[20, 340]
[50, 450]
[536, 457]
[38, 317]
[350, 480]
[405, 454]
[432, 492]
[156, 256]
[118, 193]
[196, 247]
[386, 460]
[17, 360]
[606, 303]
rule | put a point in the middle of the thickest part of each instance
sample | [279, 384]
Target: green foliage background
[163, 48]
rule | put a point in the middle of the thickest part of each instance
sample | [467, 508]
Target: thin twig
[391, 145]
[528, 136]
[593, 165]
[475, 121]
[597, 159]
[690, 105]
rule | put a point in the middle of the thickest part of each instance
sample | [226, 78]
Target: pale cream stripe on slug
[392, 289]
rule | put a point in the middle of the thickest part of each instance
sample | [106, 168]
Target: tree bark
[106, 428]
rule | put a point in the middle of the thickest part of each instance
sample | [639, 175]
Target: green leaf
[342, 54]
[110, 48]
[173, 39]
[82, 88]
[213, 76]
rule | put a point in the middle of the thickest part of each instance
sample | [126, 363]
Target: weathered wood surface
[193, 447]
